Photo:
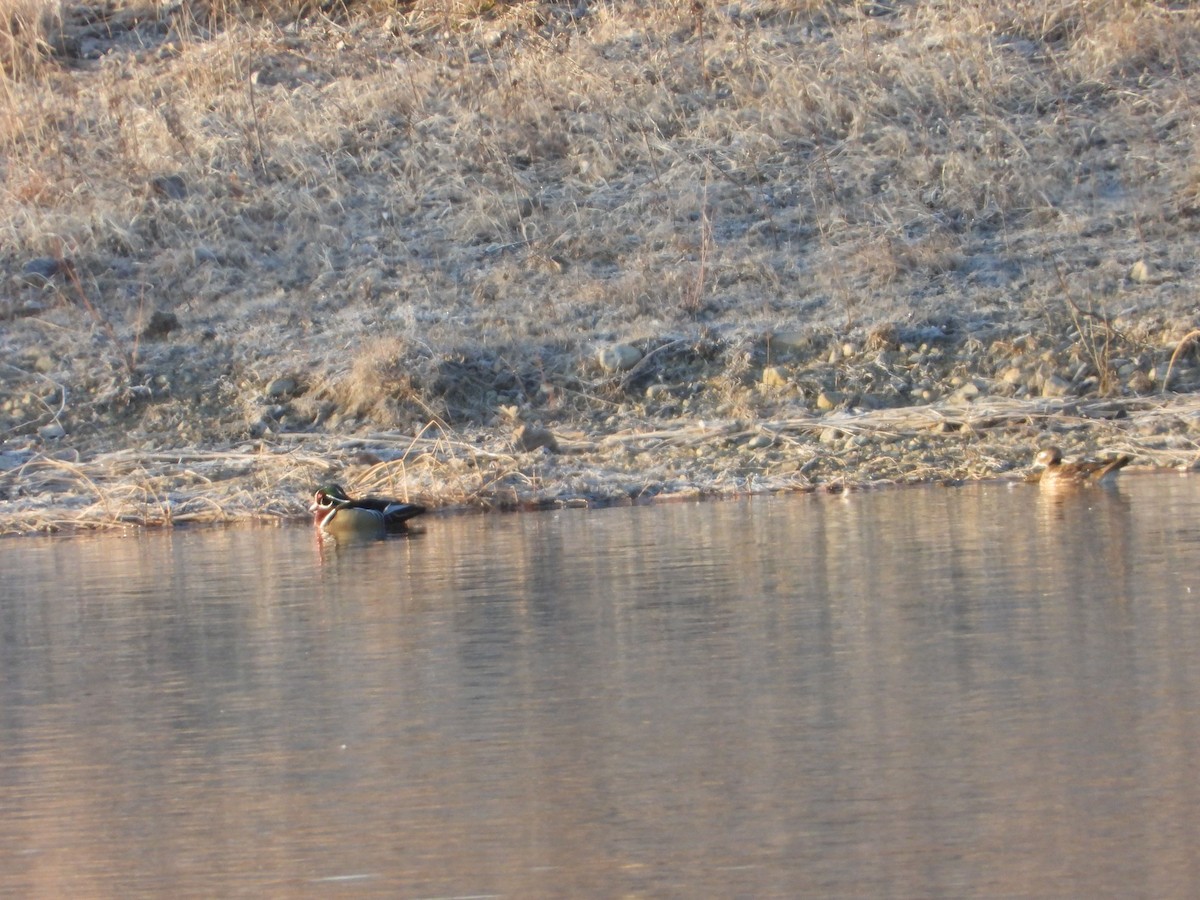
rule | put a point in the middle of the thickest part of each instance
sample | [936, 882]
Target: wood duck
[336, 515]
[1058, 474]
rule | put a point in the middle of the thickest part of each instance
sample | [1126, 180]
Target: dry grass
[133, 488]
[435, 211]
[27, 30]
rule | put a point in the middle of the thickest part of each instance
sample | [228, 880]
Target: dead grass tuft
[379, 386]
[27, 33]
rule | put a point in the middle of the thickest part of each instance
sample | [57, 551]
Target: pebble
[828, 400]
[1013, 375]
[967, 392]
[658, 391]
[774, 376]
[38, 272]
[792, 344]
[618, 357]
[534, 437]
[1140, 383]
[830, 435]
[282, 387]
[1056, 386]
[162, 322]
[173, 187]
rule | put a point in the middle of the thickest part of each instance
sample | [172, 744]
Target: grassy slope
[432, 213]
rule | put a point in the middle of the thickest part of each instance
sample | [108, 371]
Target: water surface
[910, 693]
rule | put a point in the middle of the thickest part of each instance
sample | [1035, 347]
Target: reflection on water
[973, 692]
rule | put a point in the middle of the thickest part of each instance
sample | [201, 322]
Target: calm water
[911, 693]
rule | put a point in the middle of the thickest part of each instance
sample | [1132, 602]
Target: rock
[160, 325]
[534, 437]
[173, 187]
[1013, 375]
[760, 441]
[38, 272]
[1140, 383]
[830, 436]
[968, 392]
[282, 387]
[618, 357]
[658, 391]
[51, 431]
[775, 377]
[791, 344]
[1055, 386]
[828, 400]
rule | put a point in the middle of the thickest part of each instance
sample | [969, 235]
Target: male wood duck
[1059, 474]
[336, 515]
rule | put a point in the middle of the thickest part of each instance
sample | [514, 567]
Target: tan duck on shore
[1059, 474]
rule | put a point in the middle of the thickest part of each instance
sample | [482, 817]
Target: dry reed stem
[1183, 342]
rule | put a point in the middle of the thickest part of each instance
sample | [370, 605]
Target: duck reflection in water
[1093, 527]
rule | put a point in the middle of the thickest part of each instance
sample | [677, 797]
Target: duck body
[1059, 474]
[337, 515]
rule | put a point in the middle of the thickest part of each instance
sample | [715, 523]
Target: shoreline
[657, 461]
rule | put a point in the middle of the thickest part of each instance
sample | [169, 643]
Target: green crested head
[331, 495]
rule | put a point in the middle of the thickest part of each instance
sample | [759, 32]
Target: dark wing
[395, 513]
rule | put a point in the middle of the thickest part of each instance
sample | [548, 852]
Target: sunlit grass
[436, 210]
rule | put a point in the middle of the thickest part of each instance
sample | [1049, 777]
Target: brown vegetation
[243, 229]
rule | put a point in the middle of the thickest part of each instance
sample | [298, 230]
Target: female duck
[1059, 474]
